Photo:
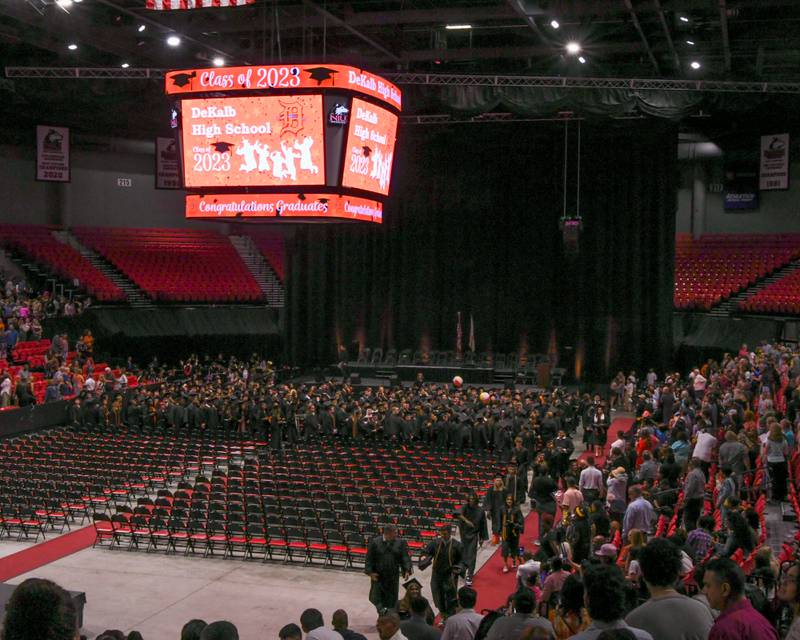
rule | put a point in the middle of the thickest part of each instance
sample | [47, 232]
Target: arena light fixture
[124, 65]
[683, 18]
[457, 27]
[555, 24]
[695, 64]
[141, 28]
[174, 41]
[72, 46]
[581, 59]
[690, 42]
[218, 61]
[64, 4]
[573, 48]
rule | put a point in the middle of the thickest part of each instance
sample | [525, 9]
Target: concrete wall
[778, 211]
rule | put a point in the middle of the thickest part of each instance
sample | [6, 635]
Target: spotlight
[72, 46]
[695, 64]
[218, 61]
[555, 24]
[581, 59]
[573, 48]
[683, 19]
[141, 28]
[457, 27]
[125, 65]
[690, 42]
[64, 4]
[173, 41]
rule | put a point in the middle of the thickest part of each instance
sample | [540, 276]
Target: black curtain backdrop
[472, 226]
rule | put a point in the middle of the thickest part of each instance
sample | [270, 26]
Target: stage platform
[471, 374]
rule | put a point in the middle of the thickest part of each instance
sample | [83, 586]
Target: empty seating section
[712, 268]
[176, 265]
[38, 243]
[782, 296]
[273, 250]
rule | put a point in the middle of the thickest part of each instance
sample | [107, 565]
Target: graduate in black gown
[493, 503]
[473, 530]
[445, 555]
[387, 558]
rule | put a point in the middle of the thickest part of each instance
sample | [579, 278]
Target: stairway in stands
[730, 306]
[136, 297]
[259, 267]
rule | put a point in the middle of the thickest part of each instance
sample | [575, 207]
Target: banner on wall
[168, 174]
[774, 169]
[52, 154]
[740, 187]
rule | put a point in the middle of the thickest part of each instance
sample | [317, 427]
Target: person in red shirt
[723, 585]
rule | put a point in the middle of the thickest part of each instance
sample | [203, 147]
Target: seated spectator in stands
[220, 630]
[524, 616]
[24, 393]
[789, 594]
[739, 536]
[192, 629]
[554, 582]
[700, 540]
[388, 626]
[340, 622]
[314, 626]
[569, 616]
[464, 624]
[668, 615]
[605, 598]
[681, 448]
[40, 610]
[530, 567]
[723, 584]
[416, 627]
[289, 632]
[607, 554]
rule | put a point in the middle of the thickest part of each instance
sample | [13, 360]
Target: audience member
[464, 624]
[40, 610]
[340, 623]
[220, 630]
[524, 616]
[192, 629]
[388, 626]
[290, 632]
[416, 627]
[314, 627]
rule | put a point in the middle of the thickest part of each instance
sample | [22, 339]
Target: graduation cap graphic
[323, 200]
[301, 196]
[222, 147]
[366, 151]
[320, 74]
[182, 79]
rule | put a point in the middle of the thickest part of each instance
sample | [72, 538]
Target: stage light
[218, 61]
[690, 42]
[581, 59]
[684, 19]
[573, 48]
[695, 64]
[125, 65]
[555, 24]
[457, 27]
[72, 46]
[64, 4]
[141, 28]
[173, 41]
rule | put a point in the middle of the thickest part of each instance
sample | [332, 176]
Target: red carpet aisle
[618, 424]
[43, 553]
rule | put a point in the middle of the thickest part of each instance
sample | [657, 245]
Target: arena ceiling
[752, 40]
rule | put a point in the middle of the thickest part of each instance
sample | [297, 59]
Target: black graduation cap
[320, 74]
[366, 151]
[222, 147]
[411, 583]
[322, 200]
[182, 79]
[301, 196]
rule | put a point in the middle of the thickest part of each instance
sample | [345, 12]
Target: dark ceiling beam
[341, 23]
[530, 19]
[21, 34]
[723, 24]
[638, 26]
[488, 53]
[667, 34]
[74, 26]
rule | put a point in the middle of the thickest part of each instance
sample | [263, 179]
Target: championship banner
[168, 175]
[52, 154]
[168, 5]
[774, 170]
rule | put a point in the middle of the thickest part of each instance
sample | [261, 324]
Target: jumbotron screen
[285, 141]
[261, 141]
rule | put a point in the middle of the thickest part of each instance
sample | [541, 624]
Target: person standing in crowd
[569, 614]
[464, 624]
[605, 600]
[733, 454]
[694, 491]
[639, 514]
[513, 524]
[668, 615]
[473, 531]
[543, 502]
[572, 498]
[416, 627]
[387, 558]
[776, 455]
[524, 617]
[617, 484]
[591, 481]
[493, 503]
[515, 484]
[700, 541]
[723, 585]
[789, 595]
[704, 448]
[444, 555]
[340, 623]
